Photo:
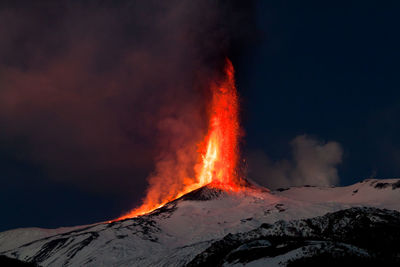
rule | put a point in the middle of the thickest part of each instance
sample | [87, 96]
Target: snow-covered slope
[174, 234]
[370, 192]
[342, 236]
[17, 237]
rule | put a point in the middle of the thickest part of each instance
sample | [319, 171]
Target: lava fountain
[218, 152]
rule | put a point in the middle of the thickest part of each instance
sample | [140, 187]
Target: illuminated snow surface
[178, 233]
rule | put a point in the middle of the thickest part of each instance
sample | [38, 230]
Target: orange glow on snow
[217, 165]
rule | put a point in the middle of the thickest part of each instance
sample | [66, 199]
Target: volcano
[211, 226]
[219, 218]
[217, 158]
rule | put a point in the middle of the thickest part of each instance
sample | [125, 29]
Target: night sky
[89, 93]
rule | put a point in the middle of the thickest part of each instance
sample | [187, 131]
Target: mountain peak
[204, 193]
[213, 191]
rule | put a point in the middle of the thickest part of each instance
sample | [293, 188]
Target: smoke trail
[102, 93]
[313, 163]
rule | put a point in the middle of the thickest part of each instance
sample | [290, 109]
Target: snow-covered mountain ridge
[177, 233]
[342, 236]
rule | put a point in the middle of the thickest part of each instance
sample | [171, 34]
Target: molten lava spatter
[220, 155]
[217, 165]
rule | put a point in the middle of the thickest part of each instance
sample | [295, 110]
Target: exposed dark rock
[358, 235]
[396, 185]
[165, 211]
[279, 207]
[282, 189]
[326, 259]
[246, 220]
[8, 262]
[49, 248]
[382, 185]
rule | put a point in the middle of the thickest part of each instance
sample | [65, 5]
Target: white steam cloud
[313, 163]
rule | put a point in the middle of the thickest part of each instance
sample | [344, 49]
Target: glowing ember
[219, 150]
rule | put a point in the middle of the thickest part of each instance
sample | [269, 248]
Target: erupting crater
[218, 152]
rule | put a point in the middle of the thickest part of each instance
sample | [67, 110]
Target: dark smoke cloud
[313, 163]
[102, 90]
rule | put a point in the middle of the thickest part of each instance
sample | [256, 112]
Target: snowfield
[178, 233]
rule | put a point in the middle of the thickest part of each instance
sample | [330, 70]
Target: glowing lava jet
[219, 150]
[220, 155]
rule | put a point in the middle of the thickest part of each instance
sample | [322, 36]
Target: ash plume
[102, 93]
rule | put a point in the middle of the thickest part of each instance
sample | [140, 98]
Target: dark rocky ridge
[8, 262]
[357, 235]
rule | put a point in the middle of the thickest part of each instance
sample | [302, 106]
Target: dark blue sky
[330, 70]
[327, 70]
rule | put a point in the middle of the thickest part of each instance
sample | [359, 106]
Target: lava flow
[218, 159]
